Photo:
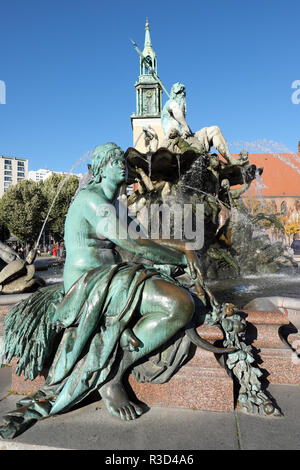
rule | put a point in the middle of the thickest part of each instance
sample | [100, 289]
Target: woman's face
[115, 169]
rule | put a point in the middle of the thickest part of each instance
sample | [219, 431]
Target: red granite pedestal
[277, 357]
[202, 383]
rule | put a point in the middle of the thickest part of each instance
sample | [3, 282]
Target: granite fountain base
[202, 383]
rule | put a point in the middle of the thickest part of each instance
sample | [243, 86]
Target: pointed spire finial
[147, 34]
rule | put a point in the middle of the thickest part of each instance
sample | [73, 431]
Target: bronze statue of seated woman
[108, 314]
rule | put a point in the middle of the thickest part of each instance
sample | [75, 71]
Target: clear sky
[70, 69]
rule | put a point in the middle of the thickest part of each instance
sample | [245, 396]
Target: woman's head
[102, 154]
[108, 161]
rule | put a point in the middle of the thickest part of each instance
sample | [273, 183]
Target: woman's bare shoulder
[90, 196]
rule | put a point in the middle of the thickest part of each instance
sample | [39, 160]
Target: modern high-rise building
[12, 170]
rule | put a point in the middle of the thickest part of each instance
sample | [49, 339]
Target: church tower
[148, 96]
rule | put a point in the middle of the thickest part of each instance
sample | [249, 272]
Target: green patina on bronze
[110, 316]
[93, 309]
[18, 276]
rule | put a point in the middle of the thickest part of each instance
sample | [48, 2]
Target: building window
[7, 162]
[20, 174]
[7, 172]
[7, 167]
[7, 178]
[6, 185]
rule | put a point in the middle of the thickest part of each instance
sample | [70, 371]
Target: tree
[67, 187]
[291, 228]
[22, 209]
[4, 231]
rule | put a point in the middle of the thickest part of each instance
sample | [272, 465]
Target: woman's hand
[193, 265]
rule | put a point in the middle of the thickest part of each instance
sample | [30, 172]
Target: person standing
[296, 245]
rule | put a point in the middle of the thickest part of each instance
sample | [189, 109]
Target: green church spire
[148, 52]
[148, 87]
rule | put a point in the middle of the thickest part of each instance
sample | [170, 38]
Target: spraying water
[81, 160]
[276, 149]
[137, 140]
[287, 162]
[178, 164]
[207, 194]
[149, 156]
[259, 188]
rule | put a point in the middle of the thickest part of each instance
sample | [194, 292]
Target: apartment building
[39, 175]
[42, 174]
[12, 170]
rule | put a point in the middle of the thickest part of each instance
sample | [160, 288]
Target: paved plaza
[90, 427]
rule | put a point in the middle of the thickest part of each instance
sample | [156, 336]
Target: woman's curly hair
[102, 154]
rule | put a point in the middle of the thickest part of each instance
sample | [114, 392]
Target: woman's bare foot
[118, 403]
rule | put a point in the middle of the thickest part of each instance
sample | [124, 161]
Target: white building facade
[42, 174]
[12, 170]
[39, 175]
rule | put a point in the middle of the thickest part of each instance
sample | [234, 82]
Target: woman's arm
[116, 227]
[191, 258]
[108, 224]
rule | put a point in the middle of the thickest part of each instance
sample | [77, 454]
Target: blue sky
[70, 69]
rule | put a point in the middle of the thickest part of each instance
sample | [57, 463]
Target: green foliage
[22, 209]
[24, 206]
[56, 220]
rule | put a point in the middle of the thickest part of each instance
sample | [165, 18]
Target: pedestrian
[21, 251]
[61, 250]
[55, 250]
[296, 245]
